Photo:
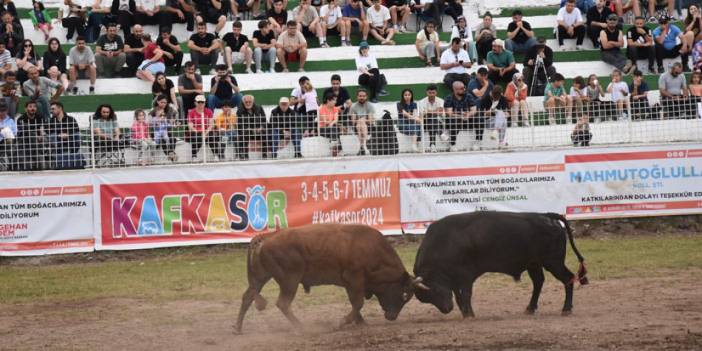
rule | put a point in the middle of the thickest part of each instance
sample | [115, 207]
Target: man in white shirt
[379, 19]
[431, 111]
[570, 25]
[331, 21]
[455, 62]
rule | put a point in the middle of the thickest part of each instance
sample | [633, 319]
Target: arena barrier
[148, 207]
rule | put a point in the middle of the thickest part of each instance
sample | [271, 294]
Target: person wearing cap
[462, 31]
[369, 74]
[292, 46]
[640, 44]
[455, 61]
[520, 37]
[597, 21]
[570, 25]
[380, 27]
[285, 127]
[201, 127]
[611, 43]
[540, 55]
[666, 36]
[500, 63]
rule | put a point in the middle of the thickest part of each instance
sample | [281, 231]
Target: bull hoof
[470, 315]
[566, 312]
[530, 311]
[237, 330]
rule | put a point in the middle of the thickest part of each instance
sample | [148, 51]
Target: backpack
[383, 139]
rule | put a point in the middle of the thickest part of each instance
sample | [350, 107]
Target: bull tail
[582, 270]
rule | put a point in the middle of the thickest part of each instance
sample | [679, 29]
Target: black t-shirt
[597, 16]
[264, 39]
[224, 90]
[203, 42]
[110, 45]
[156, 89]
[341, 98]
[634, 35]
[520, 37]
[134, 42]
[235, 43]
[172, 39]
[280, 18]
[611, 36]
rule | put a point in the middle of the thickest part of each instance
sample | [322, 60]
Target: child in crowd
[581, 135]
[578, 93]
[620, 94]
[159, 126]
[516, 96]
[695, 84]
[595, 93]
[41, 19]
[225, 124]
[141, 137]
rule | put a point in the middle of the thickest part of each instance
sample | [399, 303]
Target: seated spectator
[428, 44]
[538, 60]
[223, 87]
[362, 116]
[189, 86]
[55, 57]
[331, 21]
[516, 97]
[493, 109]
[307, 20]
[431, 112]
[399, 14]
[427, 10]
[6, 60]
[271, 3]
[264, 44]
[343, 99]
[64, 136]
[597, 21]
[520, 37]
[304, 101]
[328, 120]
[582, 5]
[674, 93]
[169, 45]
[369, 74]
[408, 120]
[500, 63]
[163, 120]
[460, 112]
[619, 93]
[164, 86]
[201, 128]
[153, 60]
[570, 25]
[462, 31]
[354, 16]
[581, 134]
[251, 127]
[595, 106]
[693, 26]
[72, 16]
[612, 41]
[10, 91]
[556, 98]
[578, 94]
[277, 17]
[639, 96]
[253, 5]
[106, 132]
[124, 10]
[285, 125]
[141, 138]
[109, 53]
[26, 58]
[204, 48]
[235, 48]
[653, 4]
[485, 34]
[82, 64]
[149, 12]
[291, 46]
[695, 86]
[640, 44]
[666, 36]
[379, 20]
[455, 61]
[479, 86]
[100, 16]
[225, 125]
[8, 134]
[39, 89]
[41, 19]
[55, 75]
[30, 138]
[181, 11]
[623, 6]
[214, 12]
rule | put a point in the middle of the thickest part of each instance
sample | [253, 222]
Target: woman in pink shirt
[141, 138]
[201, 128]
[328, 118]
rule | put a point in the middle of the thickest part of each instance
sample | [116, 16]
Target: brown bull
[355, 257]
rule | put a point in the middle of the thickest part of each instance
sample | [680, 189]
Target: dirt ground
[620, 314]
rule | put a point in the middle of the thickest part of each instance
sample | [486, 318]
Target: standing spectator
[666, 36]
[251, 127]
[538, 60]
[100, 15]
[619, 93]
[204, 48]
[163, 119]
[355, 17]
[10, 91]
[264, 44]
[64, 135]
[409, 122]
[181, 11]
[284, 123]
[611, 43]
[169, 45]
[431, 112]
[109, 53]
[380, 27]
[581, 134]
[362, 115]
[189, 86]
[343, 99]
[124, 10]
[557, 98]
[235, 48]
[500, 63]
[54, 57]
[30, 138]
[292, 46]
[141, 138]
[225, 125]
[460, 111]
[149, 12]
[153, 60]
[428, 44]
[26, 58]
[485, 34]
[570, 25]
[479, 86]
[307, 20]
[331, 21]
[369, 74]
[134, 49]
[106, 133]
[82, 63]
[6, 60]
[455, 61]
[674, 92]
[639, 96]
[640, 44]
[520, 37]
[41, 20]
[278, 17]
[462, 31]
[72, 18]
[328, 120]
[39, 89]
[164, 86]
[516, 97]
[399, 8]
[223, 87]
[597, 21]
[201, 129]
[214, 12]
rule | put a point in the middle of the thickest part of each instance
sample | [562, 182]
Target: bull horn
[417, 283]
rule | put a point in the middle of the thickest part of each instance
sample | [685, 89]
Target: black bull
[458, 249]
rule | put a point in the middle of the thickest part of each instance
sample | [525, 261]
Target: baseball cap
[363, 44]
[284, 100]
[498, 42]
[613, 17]
[200, 98]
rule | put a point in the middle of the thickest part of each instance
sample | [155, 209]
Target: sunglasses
[200, 102]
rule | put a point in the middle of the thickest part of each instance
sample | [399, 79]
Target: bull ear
[417, 283]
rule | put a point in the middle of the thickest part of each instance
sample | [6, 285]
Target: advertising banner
[434, 186]
[630, 182]
[47, 213]
[199, 204]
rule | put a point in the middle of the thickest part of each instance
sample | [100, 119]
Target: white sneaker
[579, 47]
[271, 71]
[403, 29]
[415, 148]
[248, 70]
[475, 147]
[444, 136]
[259, 71]
[526, 123]
[455, 148]
[515, 125]
[625, 117]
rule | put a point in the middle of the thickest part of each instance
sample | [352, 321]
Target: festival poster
[629, 182]
[46, 213]
[232, 203]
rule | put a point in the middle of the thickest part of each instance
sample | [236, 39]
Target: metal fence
[55, 144]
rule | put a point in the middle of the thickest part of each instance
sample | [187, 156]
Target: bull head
[417, 284]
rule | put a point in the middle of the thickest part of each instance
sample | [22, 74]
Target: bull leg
[285, 298]
[463, 299]
[537, 278]
[562, 273]
[252, 293]
[356, 299]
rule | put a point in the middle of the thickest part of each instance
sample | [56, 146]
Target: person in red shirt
[201, 128]
[153, 60]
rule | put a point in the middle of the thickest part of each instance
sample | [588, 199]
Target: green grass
[222, 276]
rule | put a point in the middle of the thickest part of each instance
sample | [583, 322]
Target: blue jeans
[515, 47]
[214, 102]
[278, 135]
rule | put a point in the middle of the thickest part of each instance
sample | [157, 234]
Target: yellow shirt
[223, 122]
